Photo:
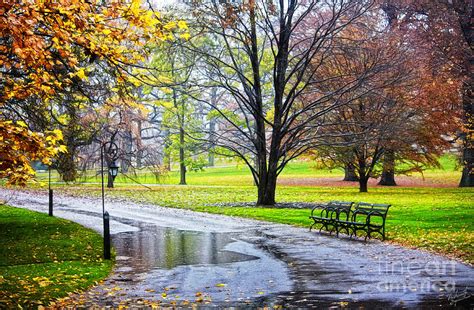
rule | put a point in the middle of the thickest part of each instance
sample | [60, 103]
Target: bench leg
[367, 235]
[354, 233]
[312, 225]
[325, 226]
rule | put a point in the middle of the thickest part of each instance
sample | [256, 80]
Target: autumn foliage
[48, 47]
[20, 146]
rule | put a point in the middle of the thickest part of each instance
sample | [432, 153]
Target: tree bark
[467, 178]
[110, 181]
[350, 173]
[465, 20]
[267, 189]
[66, 165]
[266, 174]
[363, 184]
[388, 172]
[364, 173]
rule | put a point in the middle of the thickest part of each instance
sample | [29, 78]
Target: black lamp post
[112, 151]
[50, 192]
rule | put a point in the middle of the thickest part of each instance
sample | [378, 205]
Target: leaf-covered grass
[440, 220]
[43, 258]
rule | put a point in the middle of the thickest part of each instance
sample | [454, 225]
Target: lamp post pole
[50, 192]
[113, 170]
[102, 176]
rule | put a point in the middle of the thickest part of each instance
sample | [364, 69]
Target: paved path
[179, 256]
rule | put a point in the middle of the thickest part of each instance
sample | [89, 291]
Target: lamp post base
[106, 236]
[50, 212]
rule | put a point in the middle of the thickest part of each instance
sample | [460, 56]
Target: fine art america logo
[431, 277]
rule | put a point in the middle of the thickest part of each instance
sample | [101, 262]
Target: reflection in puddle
[187, 262]
[167, 248]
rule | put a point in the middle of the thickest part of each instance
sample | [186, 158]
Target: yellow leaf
[81, 73]
[182, 25]
[21, 124]
[185, 36]
[135, 7]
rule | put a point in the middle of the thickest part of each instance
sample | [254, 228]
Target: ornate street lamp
[111, 149]
[113, 169]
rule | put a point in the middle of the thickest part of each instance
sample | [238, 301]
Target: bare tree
[264, 55]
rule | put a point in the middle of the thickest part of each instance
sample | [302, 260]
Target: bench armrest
[378, 214]
[322, 207]
[355, 213]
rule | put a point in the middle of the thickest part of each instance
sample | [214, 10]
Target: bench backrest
[340, 207]
[366, 208]
[340, 204]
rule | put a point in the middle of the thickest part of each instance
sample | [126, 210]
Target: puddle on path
[167, 248]
[220, 266]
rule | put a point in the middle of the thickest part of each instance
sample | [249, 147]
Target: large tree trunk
[266, 194]
[363, 184]
[266, 174]
[267, 189]
[350, 173]
[66, 165]
[467, 178]
[364, 173]
[388, 172]
[465, 20]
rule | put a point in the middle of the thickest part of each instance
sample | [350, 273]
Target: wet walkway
[174, 256]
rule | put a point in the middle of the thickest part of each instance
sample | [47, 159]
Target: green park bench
[351, 217]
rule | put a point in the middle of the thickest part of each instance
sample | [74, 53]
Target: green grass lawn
[43, 258]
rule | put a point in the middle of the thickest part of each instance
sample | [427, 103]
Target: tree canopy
[49, 48]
